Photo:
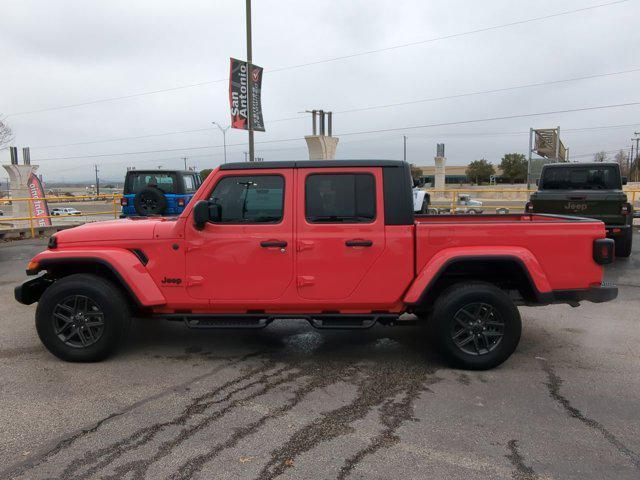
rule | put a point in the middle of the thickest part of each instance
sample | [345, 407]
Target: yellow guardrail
[113, 199]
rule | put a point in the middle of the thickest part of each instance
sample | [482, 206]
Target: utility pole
[637, 164]
[404, 139]
[249, 83]
[224, 137]
[95, 167]
[185, 162]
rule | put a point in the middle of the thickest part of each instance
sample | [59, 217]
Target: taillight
[603, 250]
[528, 207]
[181, 202]
[124, 201]
[625, 209]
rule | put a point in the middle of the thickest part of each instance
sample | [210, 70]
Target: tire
[150, 201]
[101, 301]
[471, 212]
[624, 243]
[496, 335]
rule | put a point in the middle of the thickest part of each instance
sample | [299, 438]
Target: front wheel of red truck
[82, 318]
[476, 324]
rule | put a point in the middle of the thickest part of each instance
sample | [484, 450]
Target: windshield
[139, 181]
[605, 177]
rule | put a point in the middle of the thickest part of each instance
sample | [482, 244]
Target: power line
[361, 109]
[395, 129]
[328, 60]
[483, 92]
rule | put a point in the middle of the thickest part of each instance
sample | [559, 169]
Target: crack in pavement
[64, 443]
[97, 460]
[319, 379]
[377, 387]
[553, 385]
[522, 471]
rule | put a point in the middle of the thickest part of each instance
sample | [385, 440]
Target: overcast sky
[57, 53]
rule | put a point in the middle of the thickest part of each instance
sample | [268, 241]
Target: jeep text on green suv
[592, 190]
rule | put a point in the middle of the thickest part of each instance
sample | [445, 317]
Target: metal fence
[111, 208]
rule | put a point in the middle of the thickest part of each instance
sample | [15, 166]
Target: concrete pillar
[19, 180]
[440, 173]
[321, 147]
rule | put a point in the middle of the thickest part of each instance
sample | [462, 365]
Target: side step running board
[322, 321]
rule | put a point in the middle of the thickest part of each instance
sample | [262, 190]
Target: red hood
[125, 229]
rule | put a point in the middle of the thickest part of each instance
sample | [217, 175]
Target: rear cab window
[340, 198]
[605, 177]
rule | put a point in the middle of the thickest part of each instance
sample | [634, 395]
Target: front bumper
[31, 291]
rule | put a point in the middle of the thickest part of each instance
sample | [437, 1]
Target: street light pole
[224, 138]
[249, 83]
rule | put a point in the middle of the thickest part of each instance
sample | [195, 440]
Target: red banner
[40, 209]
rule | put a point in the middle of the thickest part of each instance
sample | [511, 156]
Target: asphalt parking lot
[292, 402]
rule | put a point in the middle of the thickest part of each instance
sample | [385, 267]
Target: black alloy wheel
[478, 328]
[78, 321]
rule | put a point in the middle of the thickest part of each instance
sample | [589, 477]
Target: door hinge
[194, 280]
[305, 280]
[305, 245]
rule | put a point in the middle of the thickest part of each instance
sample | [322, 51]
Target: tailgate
[604, 206]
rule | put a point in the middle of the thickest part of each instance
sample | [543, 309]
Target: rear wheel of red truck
[82, 318]
[477, 325]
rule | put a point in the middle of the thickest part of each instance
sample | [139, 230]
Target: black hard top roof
[581, 164]
[161, 170]
[311, 164]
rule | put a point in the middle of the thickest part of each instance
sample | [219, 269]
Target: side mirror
[624, 180]
[201, 214]
[204, 212]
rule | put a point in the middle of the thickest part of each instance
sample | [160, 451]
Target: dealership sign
[239, 96]
[40, 209]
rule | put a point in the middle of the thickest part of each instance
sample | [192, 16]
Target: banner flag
[40, 208]
[238, 95]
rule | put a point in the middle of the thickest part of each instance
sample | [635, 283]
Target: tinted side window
[344, 198]
[250, 199]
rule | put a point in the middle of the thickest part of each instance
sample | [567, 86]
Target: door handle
[358, 243]
[273, 244]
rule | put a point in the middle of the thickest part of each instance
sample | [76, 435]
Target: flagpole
[249, 84]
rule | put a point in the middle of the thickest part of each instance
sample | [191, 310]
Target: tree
[205, 173]
[622, 159]
[6, 135]
[601, 157]
[514, 167]
[479, 171]
[416, 173]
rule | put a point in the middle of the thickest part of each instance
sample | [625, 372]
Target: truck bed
[551, 242]
[495, 218]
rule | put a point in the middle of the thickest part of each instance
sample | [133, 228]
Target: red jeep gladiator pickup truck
[335, 243]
